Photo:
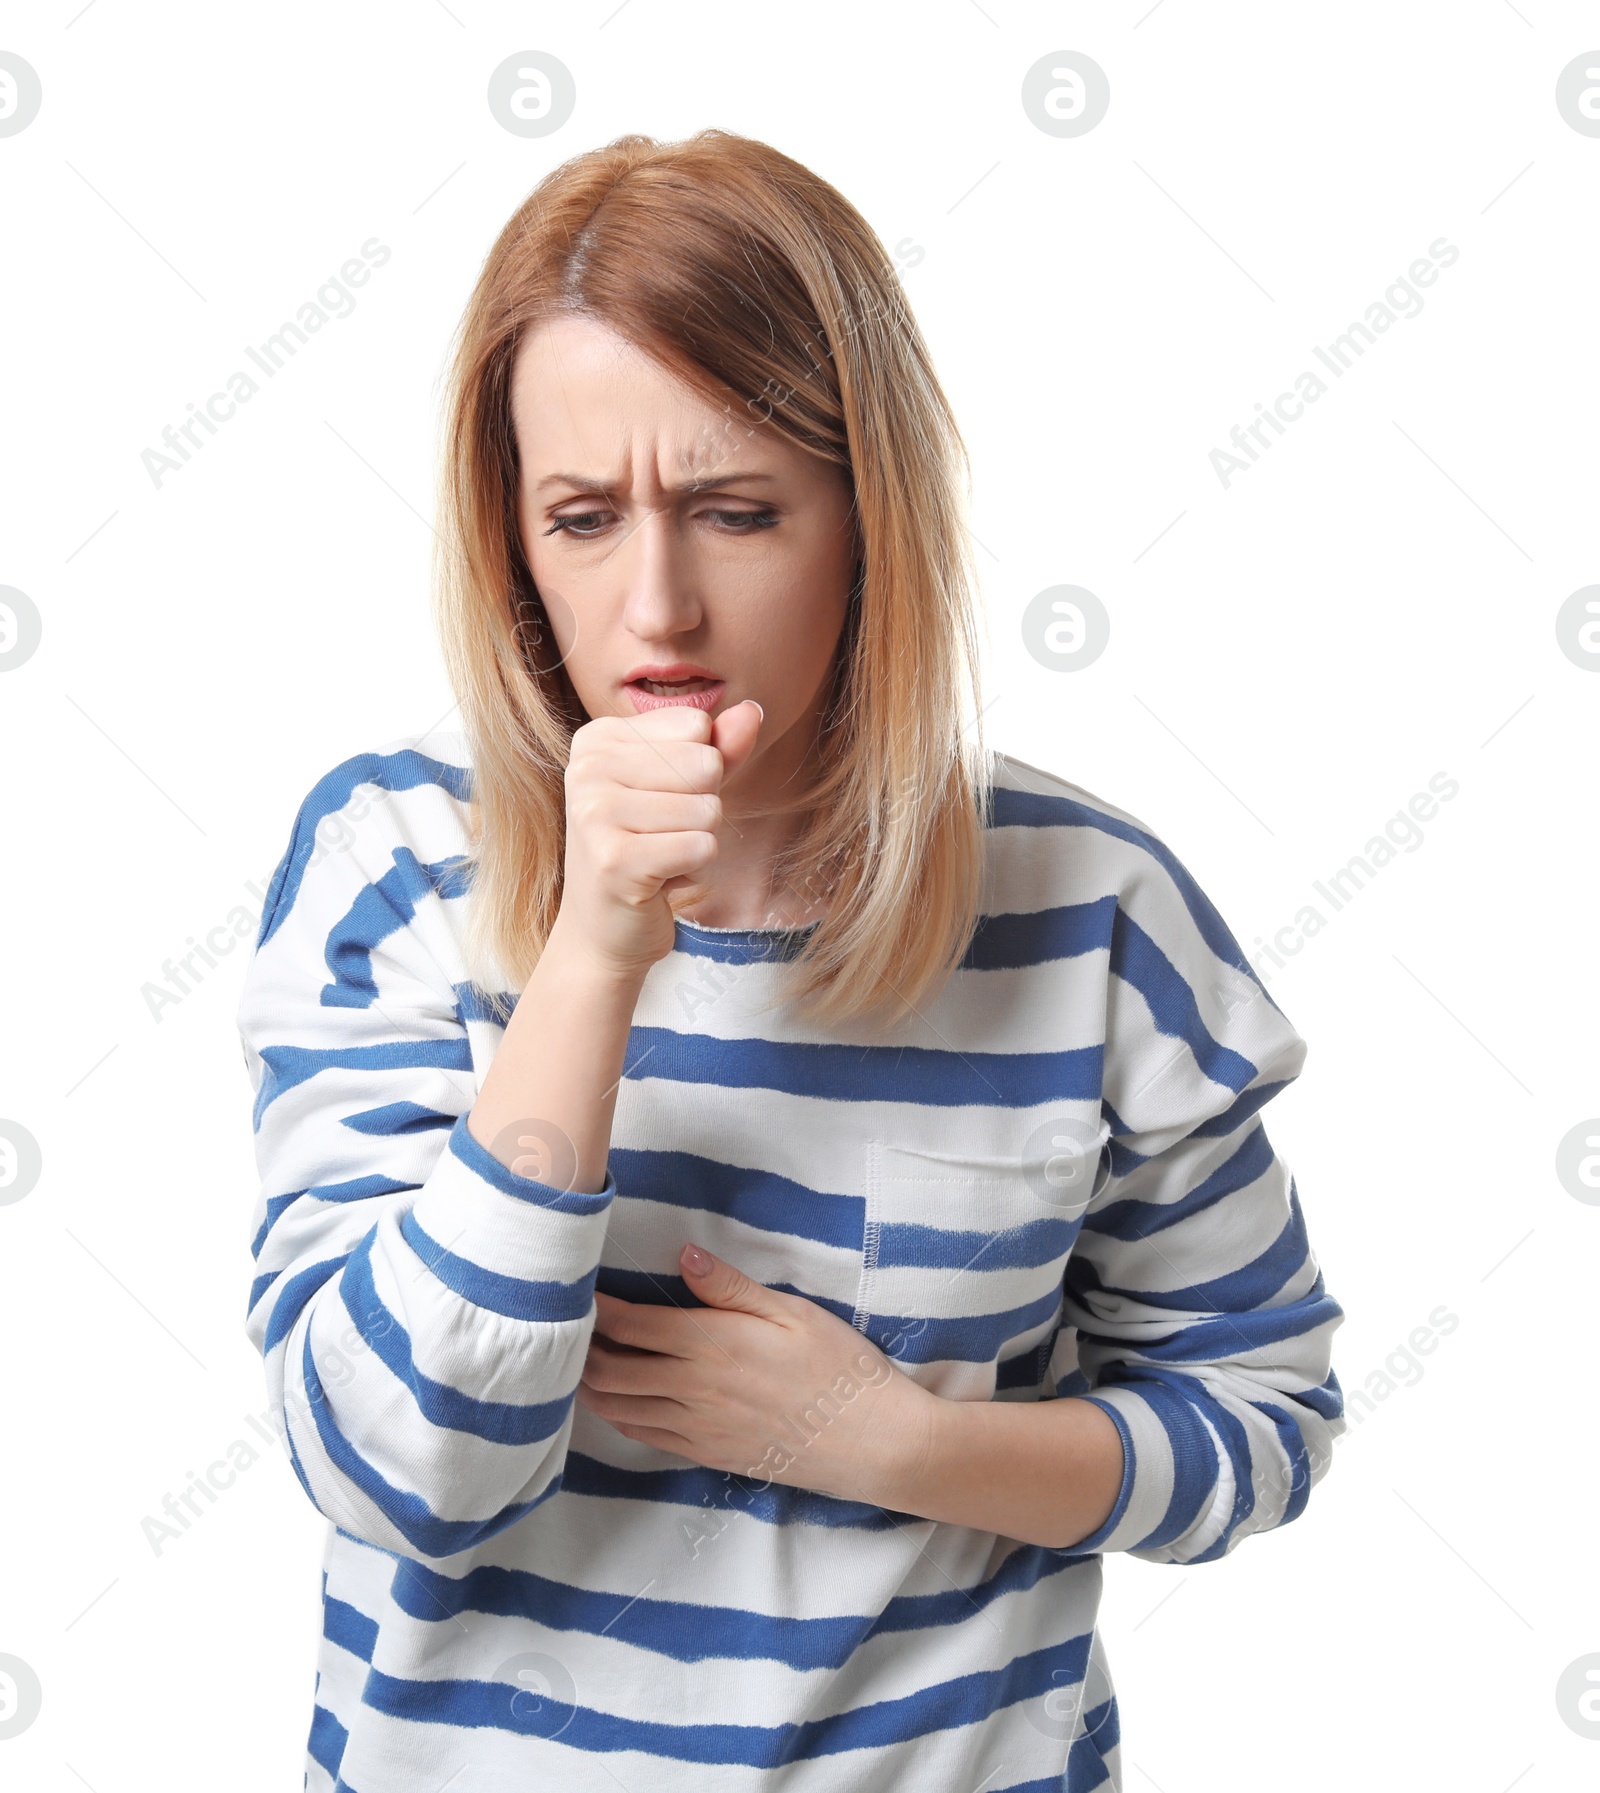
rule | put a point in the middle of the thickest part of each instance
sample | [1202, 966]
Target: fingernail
[697, 1260]
[759, 711]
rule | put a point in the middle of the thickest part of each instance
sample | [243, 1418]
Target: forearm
[559, 1064]
[1047, 1472]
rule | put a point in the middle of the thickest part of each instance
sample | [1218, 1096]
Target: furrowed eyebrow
[587, 483]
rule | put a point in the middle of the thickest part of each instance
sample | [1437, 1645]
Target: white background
[1292, 659]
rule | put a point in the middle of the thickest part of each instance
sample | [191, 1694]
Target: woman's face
[671, 540]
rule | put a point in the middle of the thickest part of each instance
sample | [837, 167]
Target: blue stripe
[1231, 1119]
[1130, 1462]
[1236, 1442]
[712, 1492]
[945, 1705]
[1124, 1160]
[1228, 1335]
[476, 1004]
[297, 1291]
[1141, 964]
[513, 1297]
[1252, 1286]
[402, 771]
[1031, 809]
[348, 1627]
[1015, 939]
[500, 1422]
[734, 1632]
[974, 1338]
[740, 946]
[410, 1514]
[381, 909]
[1086, 1762]
[356, 1189]
[1175, 1402]
[908, 1245]
[755, 1198]
[286, 1067]
[776, 1204]
[1129, 1218]
[393, 1119]
[921, 1075]
[276, 1205]
[967, 1338]
[1293, 1441]
[327, 1741]
[482, 1163]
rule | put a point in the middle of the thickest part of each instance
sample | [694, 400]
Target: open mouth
[702, 693]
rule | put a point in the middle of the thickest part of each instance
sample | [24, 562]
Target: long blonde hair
[760, 285]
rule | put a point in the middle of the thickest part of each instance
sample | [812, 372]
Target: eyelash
[758, 520]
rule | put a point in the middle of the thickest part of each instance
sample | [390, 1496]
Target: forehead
[579, 387]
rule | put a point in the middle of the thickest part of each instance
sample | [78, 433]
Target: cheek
[555, 625]
[561, 624]
[802, 618]
[789, 641]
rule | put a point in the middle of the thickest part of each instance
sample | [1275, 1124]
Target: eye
[566, 523]
[580, 524]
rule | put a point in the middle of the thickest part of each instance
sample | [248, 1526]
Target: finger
[656, 811]
[656, 858]
[673, 722]
[660, 1329]
[625, 1370]
[647, 765]
[734, 734]
[661, 1440]
[630, 1410]
[721, 1284]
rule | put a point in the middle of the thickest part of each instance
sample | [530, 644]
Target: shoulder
[1092, 839]
[1073, 846]
[394, 819]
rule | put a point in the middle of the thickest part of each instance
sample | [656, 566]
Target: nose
[661, 584]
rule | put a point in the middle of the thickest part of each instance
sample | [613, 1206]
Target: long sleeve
[1203, 1326]
[423, 1312]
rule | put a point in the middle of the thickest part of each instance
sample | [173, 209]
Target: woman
[725, 1362]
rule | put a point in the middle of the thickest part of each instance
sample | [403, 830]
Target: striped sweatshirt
[1053, 1181]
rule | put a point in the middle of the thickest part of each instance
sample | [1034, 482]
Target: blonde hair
[757, 283]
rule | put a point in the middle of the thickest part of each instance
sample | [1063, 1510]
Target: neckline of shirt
[700, 927]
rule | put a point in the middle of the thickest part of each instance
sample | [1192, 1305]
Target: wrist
[908, 1447]
[573, 959]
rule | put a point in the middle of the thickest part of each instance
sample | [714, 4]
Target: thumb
[734, 733]
[719, 1284]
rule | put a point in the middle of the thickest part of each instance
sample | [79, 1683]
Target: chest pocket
[965, 1246]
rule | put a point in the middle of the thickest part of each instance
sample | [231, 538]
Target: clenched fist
[643, 808]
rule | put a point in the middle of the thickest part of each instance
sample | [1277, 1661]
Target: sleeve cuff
[477, 1157]
[507, 1225]
[1147, 1479]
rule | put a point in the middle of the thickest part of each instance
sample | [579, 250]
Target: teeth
[665, 688]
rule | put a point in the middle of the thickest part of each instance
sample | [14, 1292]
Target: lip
[706, 698]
